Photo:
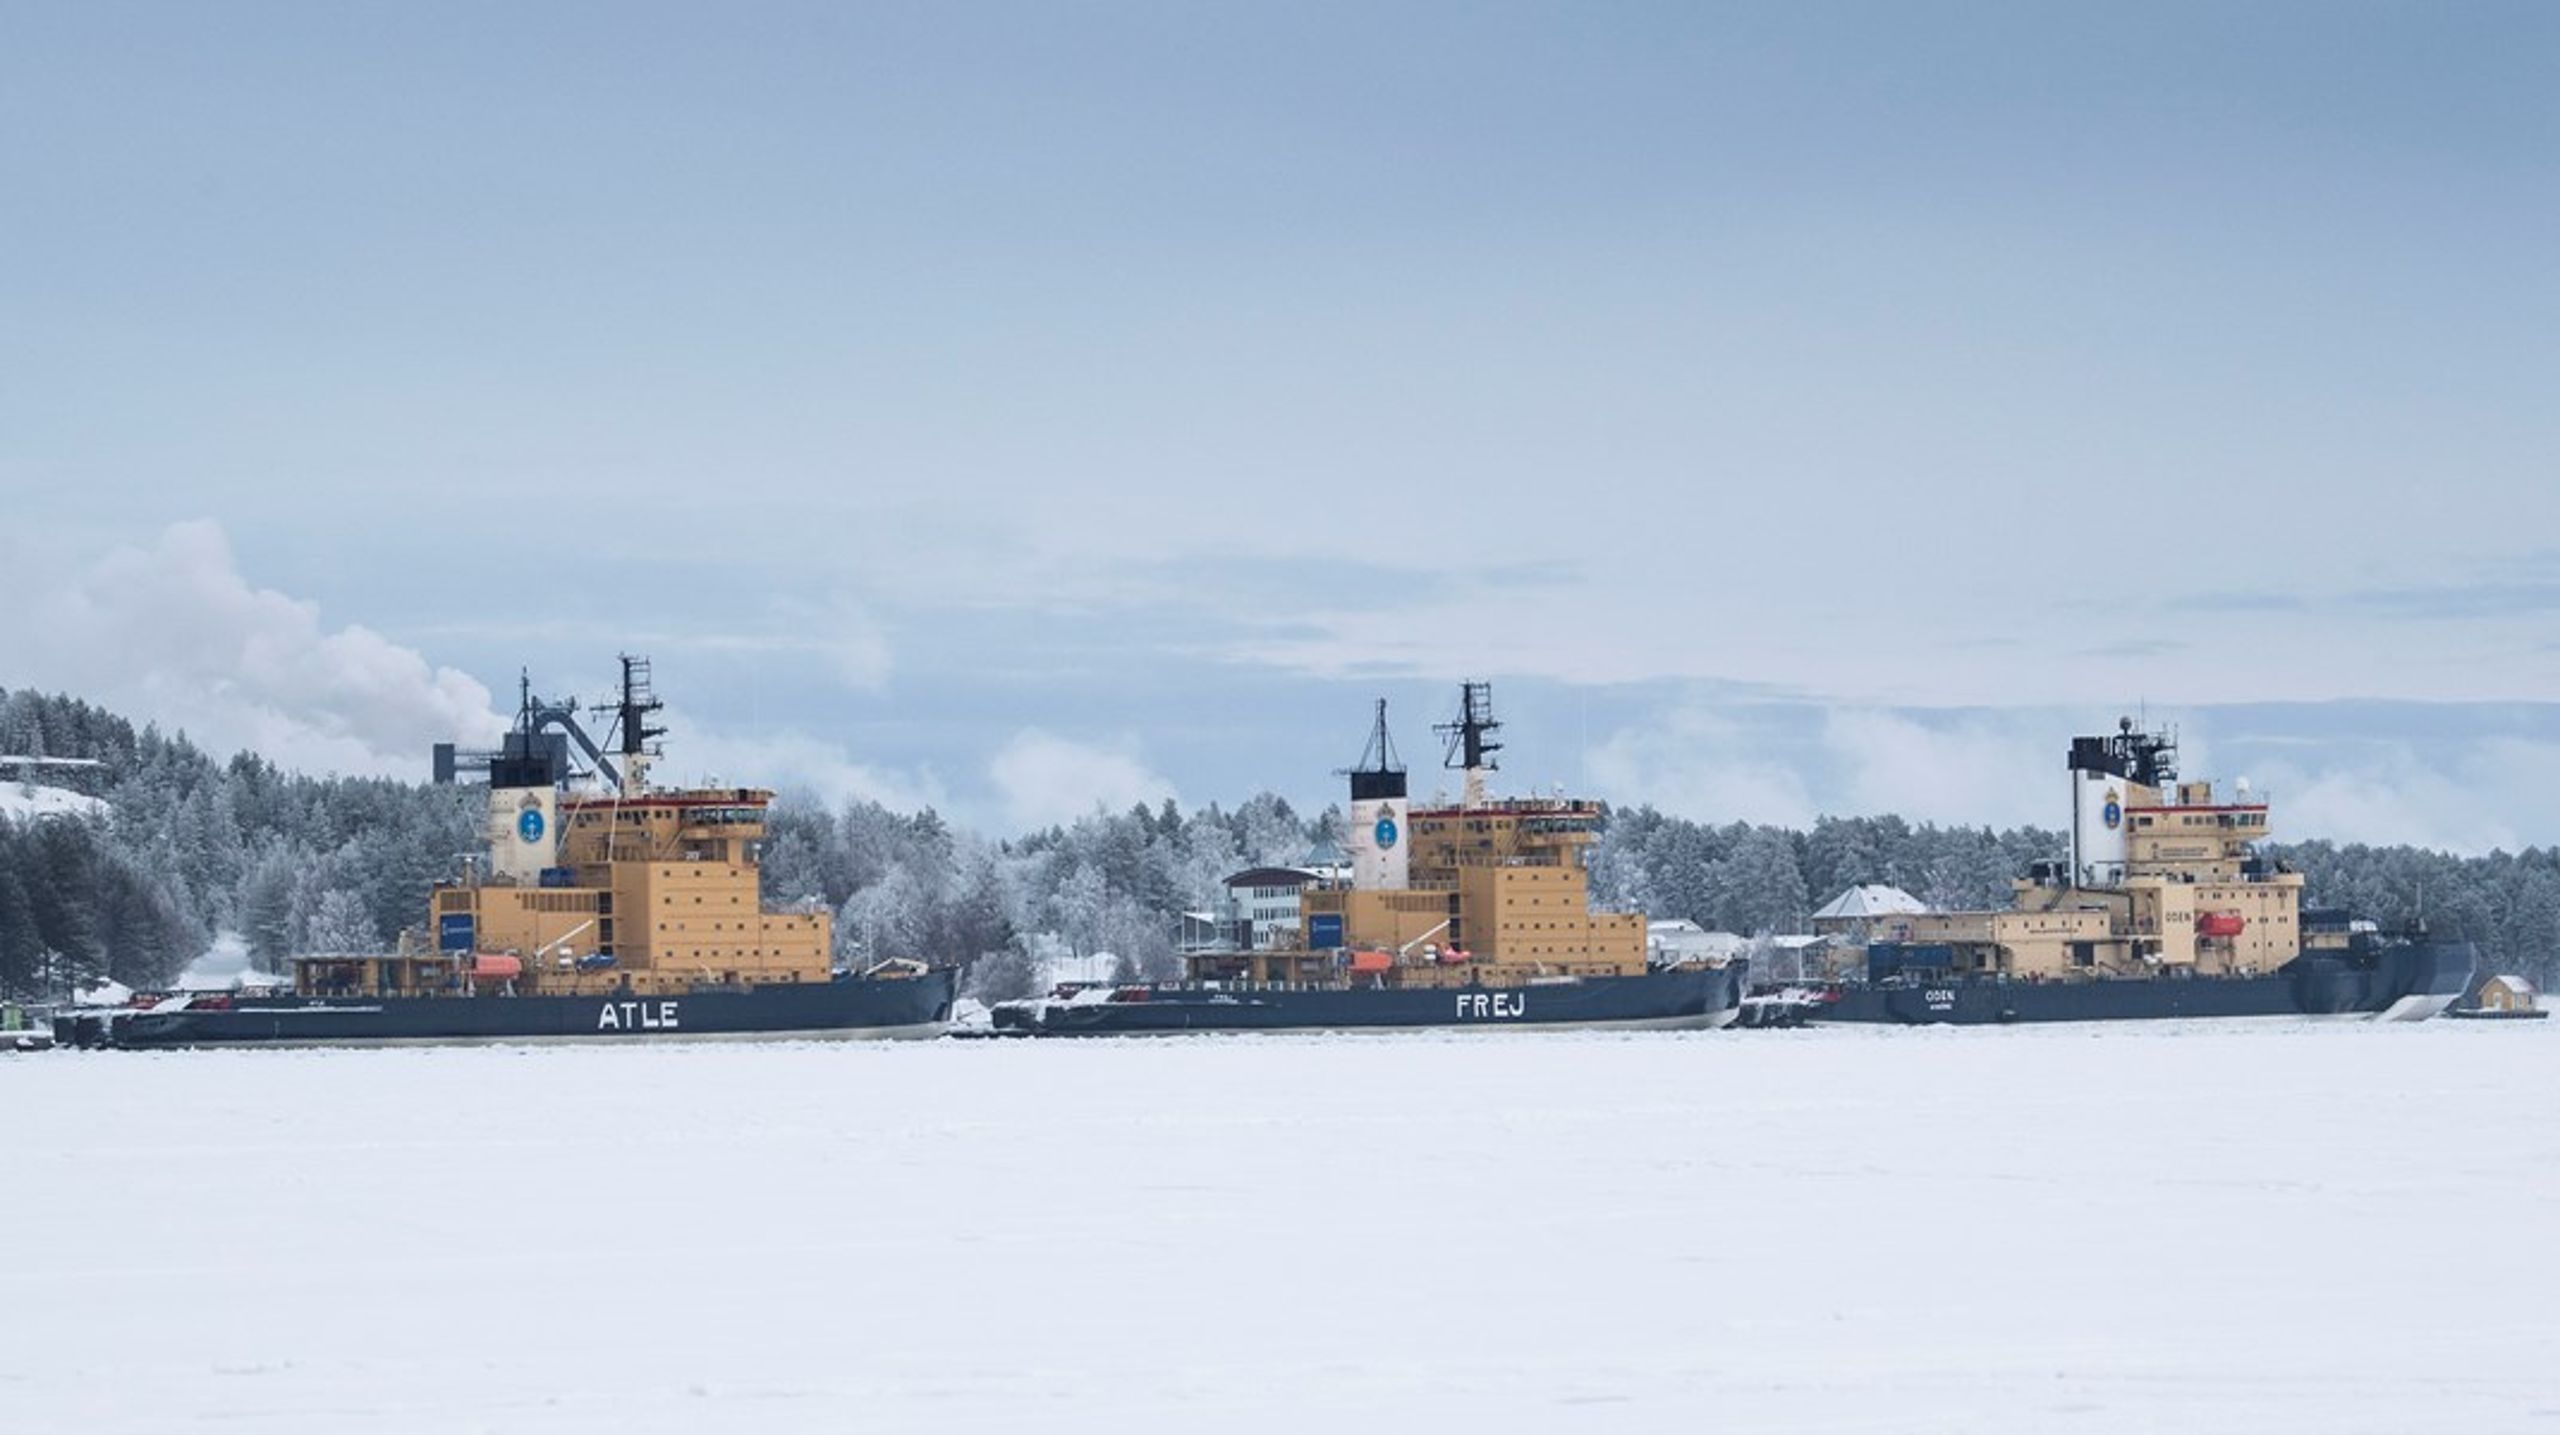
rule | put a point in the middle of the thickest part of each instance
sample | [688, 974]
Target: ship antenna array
[631, 733]
[1468, 736]
[1470, 744]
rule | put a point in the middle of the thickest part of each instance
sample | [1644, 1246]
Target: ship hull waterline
[1698, 999]
[2412, 982]
[882, 1009]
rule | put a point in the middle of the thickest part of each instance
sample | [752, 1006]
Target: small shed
[2506, 993]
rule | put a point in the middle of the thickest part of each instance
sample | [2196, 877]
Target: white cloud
[172, 633]
[1974, 770]
[2465, 793]
[1042, 778]
[2383, 808]
[1699, 764]
[1790, 764]
[2469, 798]
[838, 633]
[791, 762]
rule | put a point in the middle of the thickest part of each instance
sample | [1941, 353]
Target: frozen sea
[2260, 1227]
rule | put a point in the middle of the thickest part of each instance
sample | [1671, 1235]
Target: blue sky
[1790, 407]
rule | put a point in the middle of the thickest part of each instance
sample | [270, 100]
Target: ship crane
[561, 941]
[535, 753]
[1407, 949]
[546, 728]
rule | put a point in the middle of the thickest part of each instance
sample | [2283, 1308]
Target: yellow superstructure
[1502, 882]
[664, 884]
[1488, 892]
[2162, 881]
[627, 889]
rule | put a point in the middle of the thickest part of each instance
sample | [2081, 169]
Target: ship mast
[639, 745]
[1378, 759]
[1470, 748]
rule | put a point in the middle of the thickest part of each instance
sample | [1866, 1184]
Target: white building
[1257, 910]
[1677, 939]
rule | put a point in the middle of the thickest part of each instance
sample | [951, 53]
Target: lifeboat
[1371, 961]
[495, 967]
[2220, 924]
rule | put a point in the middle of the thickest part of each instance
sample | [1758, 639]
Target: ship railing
[1516, 805]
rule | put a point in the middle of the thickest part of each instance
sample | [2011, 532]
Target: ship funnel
[1379, 812]
[524, 821]
[2109, 775]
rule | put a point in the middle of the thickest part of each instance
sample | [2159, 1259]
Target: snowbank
[31, 800]
[225, 966]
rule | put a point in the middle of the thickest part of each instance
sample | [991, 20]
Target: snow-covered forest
[189, 845]
[1106, 889]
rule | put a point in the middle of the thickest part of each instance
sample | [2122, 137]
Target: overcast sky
[1793, 408]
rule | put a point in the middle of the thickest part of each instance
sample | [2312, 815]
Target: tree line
[189, 846]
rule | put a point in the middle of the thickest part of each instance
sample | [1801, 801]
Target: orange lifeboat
[2220, 924]
[495, 967]
[1371, 961]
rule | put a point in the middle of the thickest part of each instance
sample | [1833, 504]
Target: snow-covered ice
[2262, 1227]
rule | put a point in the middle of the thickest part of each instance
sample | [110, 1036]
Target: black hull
[2405, 982]
[904, 1006]
[1703, 997]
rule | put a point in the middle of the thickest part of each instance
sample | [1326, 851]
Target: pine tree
[340, 923]
[21, 946]
[978, 924]
[1078, 909]
[1009, 974]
